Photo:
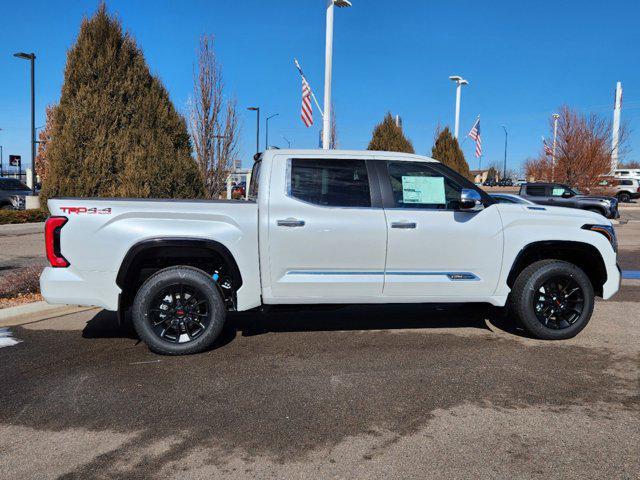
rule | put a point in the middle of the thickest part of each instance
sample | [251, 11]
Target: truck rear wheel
[178, 310]
[552, 299]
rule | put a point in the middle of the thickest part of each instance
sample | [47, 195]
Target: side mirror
[470, 200]
[567, 194]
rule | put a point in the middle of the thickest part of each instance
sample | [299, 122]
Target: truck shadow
[330, 318]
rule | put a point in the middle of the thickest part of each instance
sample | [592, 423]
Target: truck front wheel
[552, 299]
[178, 310]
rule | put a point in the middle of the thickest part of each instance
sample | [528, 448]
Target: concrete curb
[36, 311]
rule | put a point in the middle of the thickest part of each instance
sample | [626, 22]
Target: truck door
[327, 231]
[434, 250]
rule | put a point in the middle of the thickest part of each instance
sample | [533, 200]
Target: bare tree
[583, 150]
[214, 123]
[630, 164]
[333, 134]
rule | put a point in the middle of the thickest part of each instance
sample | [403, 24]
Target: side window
[559, 190]
[330, 183]
[626, 182]
[418, 185]
[536, 190]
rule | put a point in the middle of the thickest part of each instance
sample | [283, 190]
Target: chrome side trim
[453, 276]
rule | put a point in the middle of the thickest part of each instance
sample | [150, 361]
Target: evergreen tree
[116, 132]
[389, 137]
[492, 173]
[447, 151]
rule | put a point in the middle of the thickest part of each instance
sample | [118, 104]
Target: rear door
[435, 250]
[327, 231]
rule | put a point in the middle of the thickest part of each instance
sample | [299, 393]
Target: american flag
[474, 133]
[547, 149]
[306, 113]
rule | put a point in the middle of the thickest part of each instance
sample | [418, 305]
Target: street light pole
[1, 162]
[459, 82]
[257, 110]
[328, 60]
[32, 58]
[504, 170]
[553, 153]
[266, 133]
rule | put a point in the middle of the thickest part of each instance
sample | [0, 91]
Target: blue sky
[522, 59]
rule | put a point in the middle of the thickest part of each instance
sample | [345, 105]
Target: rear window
[330, 183]
[536, 190]
[254, 183]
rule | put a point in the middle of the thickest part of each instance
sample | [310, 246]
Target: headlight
[606, 230]
[606, 202]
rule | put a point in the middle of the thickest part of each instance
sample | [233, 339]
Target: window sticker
[426, 190]
[557, 191]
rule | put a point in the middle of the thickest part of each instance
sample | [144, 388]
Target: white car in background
[327, 227]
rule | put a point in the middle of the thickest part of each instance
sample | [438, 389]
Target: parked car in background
[505, 182]
[12, 193]
[327, 227]
[520, 181]
[560, 195]
[510, 198]
[626, 189]
[490, 182]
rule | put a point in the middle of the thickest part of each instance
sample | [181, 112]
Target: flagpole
[313, 95]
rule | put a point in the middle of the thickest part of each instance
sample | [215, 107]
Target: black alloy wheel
[179, 314]
[552, 299]
[559, 302]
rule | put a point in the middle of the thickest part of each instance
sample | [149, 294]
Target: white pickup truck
[327, 227]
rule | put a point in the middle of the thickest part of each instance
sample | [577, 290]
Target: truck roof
[344, 154]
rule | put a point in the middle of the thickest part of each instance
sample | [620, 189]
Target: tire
[624, 197]
[178, 311]
[526, 299]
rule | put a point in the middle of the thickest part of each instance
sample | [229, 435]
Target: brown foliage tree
[387, 136]
[116, 132]
[214, 123]
[583, 150]
[44, 137]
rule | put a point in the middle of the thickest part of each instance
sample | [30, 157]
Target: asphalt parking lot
[357, 392]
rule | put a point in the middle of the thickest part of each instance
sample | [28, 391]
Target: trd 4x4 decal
[90, 211]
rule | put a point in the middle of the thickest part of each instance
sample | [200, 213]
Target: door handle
[290, 222]
[403, 224]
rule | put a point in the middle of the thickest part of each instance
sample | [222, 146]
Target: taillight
[52, 241]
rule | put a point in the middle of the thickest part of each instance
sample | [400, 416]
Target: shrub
[22, 216]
